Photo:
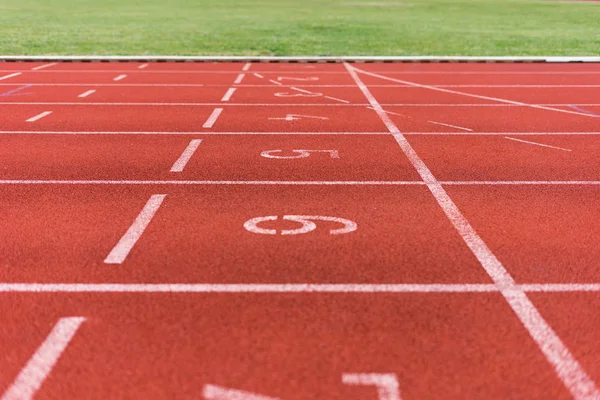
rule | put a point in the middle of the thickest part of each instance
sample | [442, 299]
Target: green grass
[299, 27]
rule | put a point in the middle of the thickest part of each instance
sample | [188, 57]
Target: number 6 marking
[307, 224]
[300, 154]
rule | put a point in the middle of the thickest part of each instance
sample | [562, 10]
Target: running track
[299, 231]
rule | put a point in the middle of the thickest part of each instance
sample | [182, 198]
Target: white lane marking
[386, 384]
[214, 392]
[118, 78]
[228, 94]
[239, 79]
[299, 154]
[256, 74]
[40, 365]
[295, 133]
[451, 126]
[119, 253]
[537, 144]
[439, 89]
[143, 66]
[296, 117]
[86, 94]
[185, 157]
[39, 116]
[388, 112]
[212, 118]
[568, 369]
[307, 224]
[336, 99]
[43, 66]
[9, 76]
[247, 66]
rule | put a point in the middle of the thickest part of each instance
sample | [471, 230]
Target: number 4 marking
[296, 117]
[387, 384]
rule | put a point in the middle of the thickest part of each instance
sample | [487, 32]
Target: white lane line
[294, 133]
[118, 78]
[568, 369]
[247, 66]
[86, 94]
[212, 118]
[239, 79]
[118, 254]
[142, 66]
[9, 76]
[228, 94]
[214, 392]
[184, 158]
[39, 116]
[386, 384]
[336, 99]
[439, 89]
[40, 365]
[451, 126]
[256, 74]
[287, 288]
[43, 66]
[537, 144]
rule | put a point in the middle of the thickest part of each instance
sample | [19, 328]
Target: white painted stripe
[240, 78]
[142, 66]
[228, 94]
[439, 89]
[212, 118]
[86, 94]
[537, 144]
[43, 66]
[451, 126]
[39, 116]
[185, 157]
[256, 74]
[214, 392]
[558, 355]
[247, 66]
[9, 76]
[336, 99]
[386, 384]
[118, 78]
[191, 133]
[118, 254]
[287, 288]
[40, 365]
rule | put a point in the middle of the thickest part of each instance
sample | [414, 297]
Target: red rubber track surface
[207, 295]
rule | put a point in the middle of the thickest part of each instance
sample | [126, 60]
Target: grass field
[299, 27]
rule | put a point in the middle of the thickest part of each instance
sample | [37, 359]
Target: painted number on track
[297, 154]
[306, 221]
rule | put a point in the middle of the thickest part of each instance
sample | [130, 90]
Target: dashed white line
[256, 74]
[228, 94]
[43, 66]
[40, 365]
[86, 94]
[185, 157]
[537, 144]
[39, 116]
[386, 384]
[142, 66]
[9, 76]
[120, 252]
[239, 79]
[212, 118]
[247, 66]
[120, 77]
[451, 126]
[567, 368]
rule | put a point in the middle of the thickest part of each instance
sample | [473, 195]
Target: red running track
[299, 231]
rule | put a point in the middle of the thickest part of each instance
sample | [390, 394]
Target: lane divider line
[120, 77]
[43, 66]
[10, 76]
[213, 118]
[185, 157]
[228, 94]
[239, 79]
[537, 144]
[39, 116]
[567, 368]
[121, 250]
[40, 365]
[86, 94]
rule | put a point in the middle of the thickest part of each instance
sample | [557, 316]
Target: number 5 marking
[307, 224]
[387, 384]
[300, 154]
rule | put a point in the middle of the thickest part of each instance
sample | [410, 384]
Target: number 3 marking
[307, 224]
[300, 154]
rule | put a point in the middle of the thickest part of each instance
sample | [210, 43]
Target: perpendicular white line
[239, 79]
[214, 392]
[43, 66]
[142, 66]
[451, 126]
[39, 116]
[86, 94]
[228, 94]
[9, 76]
[40, 365]
[186, 155]
[537, 144]
[120, 77]
[212, 118]
[247, 66]
[567, 368]
[120, 252]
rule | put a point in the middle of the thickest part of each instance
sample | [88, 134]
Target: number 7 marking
[387, 384]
